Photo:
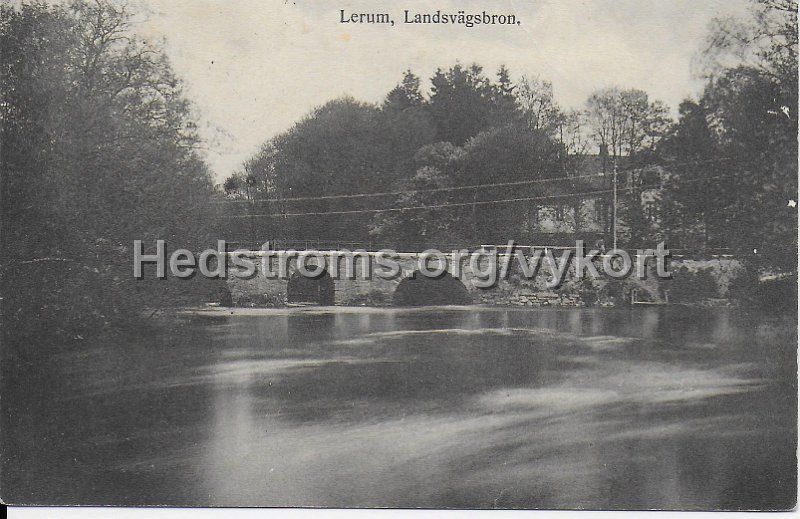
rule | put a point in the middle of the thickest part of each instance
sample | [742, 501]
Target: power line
[435, 206]
[415, 191]
[456, 204]
[456, 188]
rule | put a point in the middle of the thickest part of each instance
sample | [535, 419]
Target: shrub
[776, 294]
[687, 286]
[588, 291]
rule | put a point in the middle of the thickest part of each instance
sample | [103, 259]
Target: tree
[512, 154]
[575, 140]
[540, 112]
[406, 95]
[405, 126]
[627, 124]
[694, 205]
[462, 103]
[744, 128]
[99, 149]
[482, 140]
[766, 40]
[339, 148]
[504, 99]
[429, 185]
[644, 122]
[760, 141]
[538, 107]
[605, 119]
[625, 121]
[419, 229]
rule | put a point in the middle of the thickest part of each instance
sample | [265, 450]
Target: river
[429, 407]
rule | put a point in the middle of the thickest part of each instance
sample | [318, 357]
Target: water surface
[428, 407]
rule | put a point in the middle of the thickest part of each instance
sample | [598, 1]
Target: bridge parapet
[355, 282]
[354, 278]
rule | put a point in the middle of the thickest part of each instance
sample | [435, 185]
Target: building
[587, 209]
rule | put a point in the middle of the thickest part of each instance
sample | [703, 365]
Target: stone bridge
[351, 279]
[281, 278]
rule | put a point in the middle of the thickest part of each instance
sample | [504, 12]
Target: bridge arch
[420, 290]
[317, 290]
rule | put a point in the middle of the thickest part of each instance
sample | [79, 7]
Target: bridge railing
[370, 246]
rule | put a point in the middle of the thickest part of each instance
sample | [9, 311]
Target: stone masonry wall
[515, 290]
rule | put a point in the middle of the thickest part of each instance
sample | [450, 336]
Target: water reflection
[310, 327]
[456, 407]
[509, 409]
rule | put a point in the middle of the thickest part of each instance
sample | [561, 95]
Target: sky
[254, 67]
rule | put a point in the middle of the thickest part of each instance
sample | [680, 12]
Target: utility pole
[614, 207]
[252, 204]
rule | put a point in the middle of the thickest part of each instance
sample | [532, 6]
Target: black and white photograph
[359, 254]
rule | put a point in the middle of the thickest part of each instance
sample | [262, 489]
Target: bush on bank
[771, 293]
[95, 154]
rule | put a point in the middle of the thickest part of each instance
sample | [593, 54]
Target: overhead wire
[441, 206]
[465, 204]
[454, 188]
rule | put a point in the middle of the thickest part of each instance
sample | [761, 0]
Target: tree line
[469, 129]
[726, 166]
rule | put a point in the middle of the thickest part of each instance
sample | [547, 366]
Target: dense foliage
[441, 155]
[734, 178]
[98, 149]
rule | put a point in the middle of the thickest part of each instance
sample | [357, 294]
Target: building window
[650, 179]
[600, 210]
